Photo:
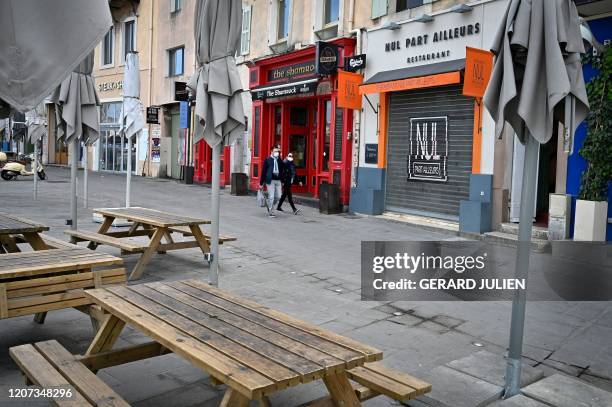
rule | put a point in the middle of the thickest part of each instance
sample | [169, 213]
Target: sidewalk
[307, 266]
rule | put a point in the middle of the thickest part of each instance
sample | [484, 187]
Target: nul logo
[428, 150]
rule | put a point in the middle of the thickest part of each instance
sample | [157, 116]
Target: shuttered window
[379, 8]
[245, 33]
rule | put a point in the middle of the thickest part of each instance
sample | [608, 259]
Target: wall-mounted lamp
[392, 25]
[424, 18]
[461, 8]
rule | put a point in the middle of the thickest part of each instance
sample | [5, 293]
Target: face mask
[290, 158]
[275, 154]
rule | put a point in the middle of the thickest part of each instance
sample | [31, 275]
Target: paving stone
[451, 388]
[518, 401]
[563, 391]
[491, 368]
[194, 394]
[405, 319]
[434, 327]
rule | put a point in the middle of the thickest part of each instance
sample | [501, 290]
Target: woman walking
[288, 179]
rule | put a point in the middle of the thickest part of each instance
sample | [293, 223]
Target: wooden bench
[49, 365]
[185, 231]
[55, 243]
[125, 244]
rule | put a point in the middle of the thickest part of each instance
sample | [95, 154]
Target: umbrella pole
[35, 170]
[85, 165]
[128, 180]
[74, 161]
[213, 277]
[517, 325]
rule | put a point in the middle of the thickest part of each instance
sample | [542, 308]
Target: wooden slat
[323, 340]
[151, 216]
[56, 243]
[186, 231]
[249, 383]
[419, 385]
[84, 380]
[328, 363]
[282, 376]
[266, 347]
[10, 224]
[34, 309]
[340, 390]
[123, 244]
[61, 279]
[55, 288]
[3, 302]
[382, 384]
[43, 374]
[122, 356]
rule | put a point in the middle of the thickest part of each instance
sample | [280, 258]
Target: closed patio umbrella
[76, 108]
[132, 120]
[36, 120]
[218, 92]
[43, 41]
[537, 77]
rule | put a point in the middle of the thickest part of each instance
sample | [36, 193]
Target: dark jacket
[289, 172]
[267, 171]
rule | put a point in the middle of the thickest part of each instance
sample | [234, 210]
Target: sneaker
[271, 215]
[296, 211]
[280, 209]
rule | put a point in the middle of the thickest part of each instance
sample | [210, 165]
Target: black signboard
[338, 135]
[292, 72]
[181, 93]
[428, 151]
[153, 115]
[286, 90]
[371, 153]
[326, 61]
[354, 63]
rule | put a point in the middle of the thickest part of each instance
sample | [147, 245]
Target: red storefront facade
[296, 108]
[202, 172]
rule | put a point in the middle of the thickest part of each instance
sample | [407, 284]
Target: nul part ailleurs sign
[478, 66]
[428, 150]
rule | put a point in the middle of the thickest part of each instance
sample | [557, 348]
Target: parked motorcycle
[12, 169]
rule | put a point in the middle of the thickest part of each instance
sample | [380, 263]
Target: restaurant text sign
[428, 152]
[299, 70]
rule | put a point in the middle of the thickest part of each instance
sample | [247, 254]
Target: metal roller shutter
[449, 108]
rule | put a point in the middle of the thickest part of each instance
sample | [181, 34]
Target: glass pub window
[327, 138]
[331, 11]
[284, 11]
[175, 61]
[107, 48]
[407, 4]
[175, 5]
[128, 38]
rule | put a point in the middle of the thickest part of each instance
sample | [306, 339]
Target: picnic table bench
[254, 350]
[15, 230]
[40, 281]
[154, 224]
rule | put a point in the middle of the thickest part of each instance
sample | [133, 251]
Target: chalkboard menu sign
[371, 153]
[338, 135]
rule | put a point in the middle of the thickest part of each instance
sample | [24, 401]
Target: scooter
[13, 169]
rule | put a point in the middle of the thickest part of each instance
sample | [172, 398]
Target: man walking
[287, 179]
[271, 173]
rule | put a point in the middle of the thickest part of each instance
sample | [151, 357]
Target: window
[379, 8]
[176, 58]
[327, 136]
[284, 12]
[402, 5]
[129, 37]
[245, 33]
[107, 48]
[175, 5]
[331, 11]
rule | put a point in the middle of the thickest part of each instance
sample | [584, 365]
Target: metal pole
[35, 169]
[517, 325]
[74, 162]
[85, 165]
[128, 181]
[213, 276]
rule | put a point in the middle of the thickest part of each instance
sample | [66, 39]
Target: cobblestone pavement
[308, 266]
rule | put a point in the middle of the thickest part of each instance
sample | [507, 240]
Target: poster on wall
[428, 152]
[155, 149]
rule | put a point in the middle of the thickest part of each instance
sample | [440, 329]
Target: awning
[423, 76]
[285, 89]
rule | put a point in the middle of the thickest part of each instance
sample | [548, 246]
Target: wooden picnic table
[157, 225]
[254, 350]
[40, 281]
[14, 229]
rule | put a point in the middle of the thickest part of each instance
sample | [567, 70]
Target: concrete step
[537, 232]
[511, 240]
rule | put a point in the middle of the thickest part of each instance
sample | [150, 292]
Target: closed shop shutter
[453, 115]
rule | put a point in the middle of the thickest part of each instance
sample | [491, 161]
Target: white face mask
[289, 158]
[275, 154]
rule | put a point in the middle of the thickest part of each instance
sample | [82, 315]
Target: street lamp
[424, 18]
[392, 25]
[461, 8]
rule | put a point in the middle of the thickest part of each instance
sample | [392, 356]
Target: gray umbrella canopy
[216, 83]
[36, 120]
[537, 65]
[76, 104]
[43, 41]
[132, 120]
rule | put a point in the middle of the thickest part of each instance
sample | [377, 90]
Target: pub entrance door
[299, 138]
